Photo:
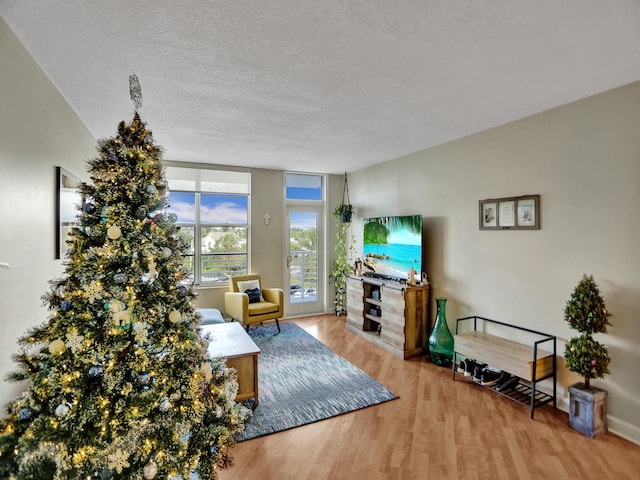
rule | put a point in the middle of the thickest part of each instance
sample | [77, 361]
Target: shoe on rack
[508, 382]
[469, 367]
[477, 372]
[491, 376]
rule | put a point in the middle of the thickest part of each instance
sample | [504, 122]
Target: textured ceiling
[324, 85]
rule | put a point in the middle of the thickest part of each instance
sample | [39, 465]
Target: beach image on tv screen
[392, 245]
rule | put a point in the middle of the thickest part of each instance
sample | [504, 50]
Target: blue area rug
[301, 381]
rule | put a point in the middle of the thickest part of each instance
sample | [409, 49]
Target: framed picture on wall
[488, 215]
[67, 202]
[528, 212]
[510, 213]
[507, 213]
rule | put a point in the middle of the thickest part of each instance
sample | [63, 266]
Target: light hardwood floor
[438, 429]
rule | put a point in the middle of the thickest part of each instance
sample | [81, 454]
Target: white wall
[584, 161]
[38, 131]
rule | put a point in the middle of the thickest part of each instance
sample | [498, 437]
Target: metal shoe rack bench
[528, 362]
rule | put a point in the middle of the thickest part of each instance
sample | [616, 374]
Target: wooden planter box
[587, 409]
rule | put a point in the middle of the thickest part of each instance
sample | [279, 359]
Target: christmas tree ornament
[175, 316]
[122, 318]
[62, 410]
[142, 212]
[140, 332]
[135, 91]
[74, 340]
[93, 291]
[118, 461]
[65, 306]
[143, 378]
[213, 450]
[96, 371]
[120, 277]
[114, 306]
[150, 471]
[57, 346]
[151, 189]
[166, 252]
[182, 291]
[25, 415]
[173, 218]
[114, 232]
[89, 207]
[104, 214]
[165, 405]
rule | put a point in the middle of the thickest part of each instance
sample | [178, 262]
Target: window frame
[197, 226]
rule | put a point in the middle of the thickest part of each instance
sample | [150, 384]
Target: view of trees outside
[303, 246]
[223, 233]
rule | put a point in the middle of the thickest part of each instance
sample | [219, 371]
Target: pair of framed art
[510, 213]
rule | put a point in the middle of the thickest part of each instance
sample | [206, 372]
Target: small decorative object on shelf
[585, 312]
[441, 340]
[411, 277]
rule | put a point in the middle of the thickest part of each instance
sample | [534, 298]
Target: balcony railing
[303, 276]
[216, 267]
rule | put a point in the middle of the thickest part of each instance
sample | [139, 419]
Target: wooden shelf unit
[526, 361]
[392, 315]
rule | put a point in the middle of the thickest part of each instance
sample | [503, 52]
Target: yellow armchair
[269, 306]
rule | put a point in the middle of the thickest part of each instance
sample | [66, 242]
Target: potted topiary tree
[586, 312]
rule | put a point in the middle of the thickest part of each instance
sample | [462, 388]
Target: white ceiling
[324, 85]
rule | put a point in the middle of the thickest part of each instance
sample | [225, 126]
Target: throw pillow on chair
[255, 295]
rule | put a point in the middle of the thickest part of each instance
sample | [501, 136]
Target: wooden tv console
[392, 315]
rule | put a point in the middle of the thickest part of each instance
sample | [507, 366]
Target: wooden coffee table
[229, 340]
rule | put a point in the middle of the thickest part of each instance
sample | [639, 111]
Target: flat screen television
[392, 245]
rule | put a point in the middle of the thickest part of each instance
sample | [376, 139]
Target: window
[212, 207]
[305, 207]
[303, 186]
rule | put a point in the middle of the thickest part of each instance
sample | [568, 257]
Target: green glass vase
[441, 340]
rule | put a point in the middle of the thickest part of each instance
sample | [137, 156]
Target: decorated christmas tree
[120, 385]
[586, 312]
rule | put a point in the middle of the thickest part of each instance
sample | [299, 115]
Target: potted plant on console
[586, 312]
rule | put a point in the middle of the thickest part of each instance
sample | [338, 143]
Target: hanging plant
[344, 211]
[342, 266]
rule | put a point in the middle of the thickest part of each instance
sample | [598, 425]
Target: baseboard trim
[623, 429]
